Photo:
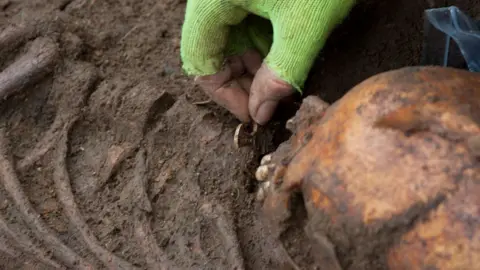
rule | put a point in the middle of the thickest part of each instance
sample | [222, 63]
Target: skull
[389, 174]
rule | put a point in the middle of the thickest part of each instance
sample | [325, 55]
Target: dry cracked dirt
[110, 158]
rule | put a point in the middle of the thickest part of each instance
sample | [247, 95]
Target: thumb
[266, 92]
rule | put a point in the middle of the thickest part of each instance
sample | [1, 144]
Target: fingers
[205, 35]
[301, 30]
[246, 87]
[265, 93]
[229, 88]
[234, 98]
[245, 82]
[236, 65]
[252, 61]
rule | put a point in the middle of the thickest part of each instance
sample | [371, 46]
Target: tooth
[266, 159]
[260, 194]
[290, 125]
[266, 185]
[262, 173]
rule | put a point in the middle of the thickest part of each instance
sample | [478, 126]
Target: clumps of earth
[110, 158]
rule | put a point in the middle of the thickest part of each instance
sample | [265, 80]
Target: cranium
[389, 174]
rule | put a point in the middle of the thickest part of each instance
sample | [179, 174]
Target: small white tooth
[260, 194]
[266, 159]
[266, 185]
[290, 125]
[262, 173]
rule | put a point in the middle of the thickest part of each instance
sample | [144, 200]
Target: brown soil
[110, 159]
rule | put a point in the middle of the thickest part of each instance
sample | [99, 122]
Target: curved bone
[46, 143]
[27, 245]
[9, 179]
[85, 76]
[65, 195]
[225, 226]
[145, 237]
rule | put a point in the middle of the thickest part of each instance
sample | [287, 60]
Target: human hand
[238, 61]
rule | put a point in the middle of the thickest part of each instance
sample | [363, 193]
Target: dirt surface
[111, 159]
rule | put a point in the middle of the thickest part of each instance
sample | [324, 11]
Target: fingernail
[265, 112]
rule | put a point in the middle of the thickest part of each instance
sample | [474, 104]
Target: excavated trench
[110, 158]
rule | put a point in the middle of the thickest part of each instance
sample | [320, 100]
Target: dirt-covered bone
[13, 36]
[85, 76]
[312, 110]
[365, 168]
[127, 113]
[219, 215]
[27, 244]
[9, 180]
[65, 195]
[32, 66]
[135, 195]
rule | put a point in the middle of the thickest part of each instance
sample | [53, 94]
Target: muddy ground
[111, 159]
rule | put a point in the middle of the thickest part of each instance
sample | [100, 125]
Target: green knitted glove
[214, 29]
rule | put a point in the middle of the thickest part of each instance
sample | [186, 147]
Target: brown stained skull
[389, 174]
